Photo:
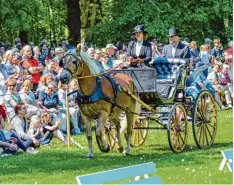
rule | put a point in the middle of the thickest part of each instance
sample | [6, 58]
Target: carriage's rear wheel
[177, 129]
[139, 132]
[204, 120]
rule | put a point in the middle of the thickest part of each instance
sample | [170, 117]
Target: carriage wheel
[139, 135]
[204, 120]
[109, 137]
[177, 130]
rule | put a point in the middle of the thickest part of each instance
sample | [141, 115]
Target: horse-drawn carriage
[162, 88]
[159, 90]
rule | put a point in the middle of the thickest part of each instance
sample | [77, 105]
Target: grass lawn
[58, 165]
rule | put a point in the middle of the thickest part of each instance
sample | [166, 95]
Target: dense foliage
[105, 21]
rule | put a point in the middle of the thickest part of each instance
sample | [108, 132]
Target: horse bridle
[77, 63]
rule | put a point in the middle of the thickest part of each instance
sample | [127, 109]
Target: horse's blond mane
[91, 63]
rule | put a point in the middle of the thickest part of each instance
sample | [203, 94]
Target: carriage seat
[169, 71]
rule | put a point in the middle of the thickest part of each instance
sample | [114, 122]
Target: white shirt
[138, 48]
[174, 50]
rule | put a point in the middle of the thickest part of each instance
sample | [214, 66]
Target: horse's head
[72, 65]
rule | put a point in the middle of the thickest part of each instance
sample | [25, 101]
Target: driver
[139, 51]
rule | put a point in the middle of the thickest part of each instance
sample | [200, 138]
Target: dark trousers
[20, 143]
[46, 138]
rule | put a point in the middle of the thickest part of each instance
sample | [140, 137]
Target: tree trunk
[73, 20]
[23, 35]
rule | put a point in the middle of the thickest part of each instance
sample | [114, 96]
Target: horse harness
[98, 93]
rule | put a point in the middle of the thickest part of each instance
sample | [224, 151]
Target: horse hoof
[120, 150]
[106, 150]
[89, 156]
[126, 154]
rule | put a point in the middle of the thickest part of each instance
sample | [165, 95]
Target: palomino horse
[99, 99]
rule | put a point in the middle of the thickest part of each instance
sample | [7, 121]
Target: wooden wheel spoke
[207, 142]
[199, 128]
[141, 134]
[208, 131]
[200, 134]
[203, 135]
[211, 125]
[181, 138]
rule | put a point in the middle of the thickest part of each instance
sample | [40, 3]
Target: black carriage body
[162, 84]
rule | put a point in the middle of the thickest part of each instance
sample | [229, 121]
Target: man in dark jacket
[175, 49]
[139, 51]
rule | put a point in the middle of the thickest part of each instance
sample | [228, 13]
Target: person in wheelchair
[139, 51]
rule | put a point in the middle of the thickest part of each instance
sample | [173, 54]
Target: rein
[96, 75]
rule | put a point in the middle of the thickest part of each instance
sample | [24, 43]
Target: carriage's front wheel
[204, 120]
[139, 132]
[177, 129]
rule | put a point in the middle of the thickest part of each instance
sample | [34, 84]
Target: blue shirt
[110, 62]
[216, 53]
[53, 73]
[49, 101]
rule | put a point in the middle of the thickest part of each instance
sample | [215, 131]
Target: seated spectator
[49, 102]
[3, 81]
[214, 78]
[104, 62]
[59, 54]
[217, 50]
[225, 79]
[11, 98]
[199, 82]
[194, 53]
[50, 55]
[43, 51]
[98, 59]
[74, 86]
[91, 52]
[204, 55]
[44, 81]
[110, 49]
[14, 70]
[27, 96]
[74, 111]
[36, 52]
[32, 66]
[48, 129]
[42, 132]
[18, 125]
[50, 68]
[10, 145]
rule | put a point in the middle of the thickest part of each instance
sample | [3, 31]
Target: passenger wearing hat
[175, 49]
[139, 51]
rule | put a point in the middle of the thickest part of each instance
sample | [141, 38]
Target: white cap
[110, 46]
[59, 50]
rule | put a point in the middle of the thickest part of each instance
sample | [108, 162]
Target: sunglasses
[50, 88]
[11, 85]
